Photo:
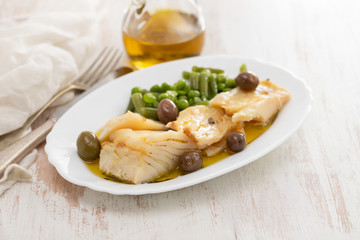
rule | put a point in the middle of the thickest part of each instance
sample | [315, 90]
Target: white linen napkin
[40, 54]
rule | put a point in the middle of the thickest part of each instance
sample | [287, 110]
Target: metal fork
[104, 63]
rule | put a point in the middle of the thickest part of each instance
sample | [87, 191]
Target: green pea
[183, 97]
[168, 95]
[143, 91]
[221, 78]
[165, 87]
[156, 104]
[179, 85]
[182, 104]
[182, 93]
[204, 102]
[193, 93]
[187, 88]
[136, 90]
[149, 97]
[162, 96]
[172, 93]
[197, 100]
[186, 75]
[226, 89]
[191, 102]
[220, 86]
[230, 83]
[156, 88]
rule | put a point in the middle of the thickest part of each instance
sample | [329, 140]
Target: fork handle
[11, 137]
[17, 151]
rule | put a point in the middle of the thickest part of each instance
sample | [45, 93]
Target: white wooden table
[307, 188]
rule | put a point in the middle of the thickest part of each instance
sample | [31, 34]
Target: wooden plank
[305, 189]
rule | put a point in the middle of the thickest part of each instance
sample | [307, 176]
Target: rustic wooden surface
[307, 188]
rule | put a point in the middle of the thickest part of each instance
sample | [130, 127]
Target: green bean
[186, 75]
[149, 112]
[194, 80]
[216, 70]
[243, 68]
[138, 102]
[149, 97]
[193, 93]
[130, 106]
[196, 69]
[213, 90]
[212, 70]
[156, 88]
[206, 71]
[204, 85]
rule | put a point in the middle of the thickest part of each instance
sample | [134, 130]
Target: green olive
[88, 146]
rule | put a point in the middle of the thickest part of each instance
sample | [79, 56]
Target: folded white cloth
[40, 54]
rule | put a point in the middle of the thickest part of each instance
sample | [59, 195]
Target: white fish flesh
[258, 106]
[140, 156]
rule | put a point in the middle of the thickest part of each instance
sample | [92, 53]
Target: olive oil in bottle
[164, 35]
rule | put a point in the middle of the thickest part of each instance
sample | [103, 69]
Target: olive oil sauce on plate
[251, 132]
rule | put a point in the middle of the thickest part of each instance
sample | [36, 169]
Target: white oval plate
[110, 100]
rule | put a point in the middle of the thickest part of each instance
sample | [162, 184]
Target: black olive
[167, 111]
[247, 81]
[190, 161]
[236, 141]
[88, 146]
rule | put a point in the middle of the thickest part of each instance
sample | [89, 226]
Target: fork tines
[104, 63]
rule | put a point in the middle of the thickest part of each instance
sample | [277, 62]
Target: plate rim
[202, 178]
